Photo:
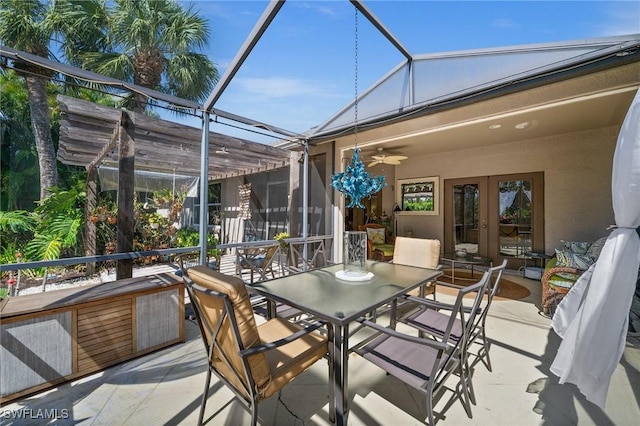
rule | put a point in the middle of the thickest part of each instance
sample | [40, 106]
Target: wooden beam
[107, 148]
[89, 226]
[126, 177]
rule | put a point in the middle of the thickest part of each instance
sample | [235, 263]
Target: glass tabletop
[469, 258]
[320, 293]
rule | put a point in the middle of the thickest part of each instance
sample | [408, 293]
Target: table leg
[332, 389]
[453, 272]
[271, 309]
[338, 355]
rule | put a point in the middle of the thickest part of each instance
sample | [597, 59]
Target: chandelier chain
[355, 101]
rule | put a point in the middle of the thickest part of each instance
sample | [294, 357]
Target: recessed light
[522, 126]
[495, 126]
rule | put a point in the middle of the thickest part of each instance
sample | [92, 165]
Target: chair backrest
[416, 252]
[261, 256]
[269, 256]
[226, 320]
[470, 317]
[496, 275]
[188, 260]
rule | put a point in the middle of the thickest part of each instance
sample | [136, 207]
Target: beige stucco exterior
[577, 181]
[572, 131]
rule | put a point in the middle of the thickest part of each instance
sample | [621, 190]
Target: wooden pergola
[92, 135]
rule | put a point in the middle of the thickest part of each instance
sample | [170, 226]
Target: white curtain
[593, 318]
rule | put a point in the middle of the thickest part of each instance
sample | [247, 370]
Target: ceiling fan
[382, 158]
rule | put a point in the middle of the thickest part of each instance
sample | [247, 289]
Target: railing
[296, 261]
[317, 251]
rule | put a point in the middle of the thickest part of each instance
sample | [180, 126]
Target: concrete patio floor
[164, 388]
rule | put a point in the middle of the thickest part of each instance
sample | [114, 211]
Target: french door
[497, 216]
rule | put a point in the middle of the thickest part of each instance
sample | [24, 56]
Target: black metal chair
[426, 363]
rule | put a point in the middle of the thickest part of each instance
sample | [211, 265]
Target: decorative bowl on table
[461, 252]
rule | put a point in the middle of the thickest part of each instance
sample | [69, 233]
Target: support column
[295, 195]
[90, 227]
[126, 190]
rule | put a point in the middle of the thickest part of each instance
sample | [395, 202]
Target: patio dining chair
[254, 361]
[431, 317]
[191, 259]
[420, 252]
[258, 260]
[424, 363]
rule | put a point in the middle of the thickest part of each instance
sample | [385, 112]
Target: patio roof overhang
[430, 88]
[87, 132]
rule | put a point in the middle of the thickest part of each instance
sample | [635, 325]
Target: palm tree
[153, 43]
[18, 155]
[29, 26]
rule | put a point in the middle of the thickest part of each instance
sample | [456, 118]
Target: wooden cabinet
[57, 336]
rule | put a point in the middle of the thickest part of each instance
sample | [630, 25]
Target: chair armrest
[434, 304]
[272, 345]
[446, 284]
[388, 331]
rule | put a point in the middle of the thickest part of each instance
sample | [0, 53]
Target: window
[418, 196]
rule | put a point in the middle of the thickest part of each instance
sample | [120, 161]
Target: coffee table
[469, 259]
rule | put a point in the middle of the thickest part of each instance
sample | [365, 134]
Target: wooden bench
[50, 338]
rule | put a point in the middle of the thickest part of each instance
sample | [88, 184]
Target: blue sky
[303, 69]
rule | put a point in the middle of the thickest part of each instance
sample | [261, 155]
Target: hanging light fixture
[355, 182]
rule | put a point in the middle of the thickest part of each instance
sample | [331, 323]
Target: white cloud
[221, 10]
[622, 18]
[321, 9]
[504, 23]
[281, 87]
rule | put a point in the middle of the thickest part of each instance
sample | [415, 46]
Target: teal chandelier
[355, 182]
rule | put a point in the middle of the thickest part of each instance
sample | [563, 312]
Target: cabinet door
[105, 334]
[35, 351]
[158, 319]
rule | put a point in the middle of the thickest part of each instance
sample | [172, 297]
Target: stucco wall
[577, 175]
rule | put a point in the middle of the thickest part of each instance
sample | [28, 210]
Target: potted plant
[284, 246]
[280, 238]
[155, 220]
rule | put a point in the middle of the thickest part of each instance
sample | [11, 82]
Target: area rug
[508, 290]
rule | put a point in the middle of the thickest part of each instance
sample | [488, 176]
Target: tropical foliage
[154, 44]
[30, 25]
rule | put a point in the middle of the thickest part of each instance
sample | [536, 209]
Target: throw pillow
[580, 247]
[376, 235]
[573, 260]
[594, 249]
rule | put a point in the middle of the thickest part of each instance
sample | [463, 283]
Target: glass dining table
[339, 303]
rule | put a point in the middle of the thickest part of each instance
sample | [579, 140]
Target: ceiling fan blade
[374, 162]
[379, 157]
[396, 157]
[391, 161]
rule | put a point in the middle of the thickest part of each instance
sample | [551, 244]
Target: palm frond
[43, 247]
[66, 229]
[16, 221]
